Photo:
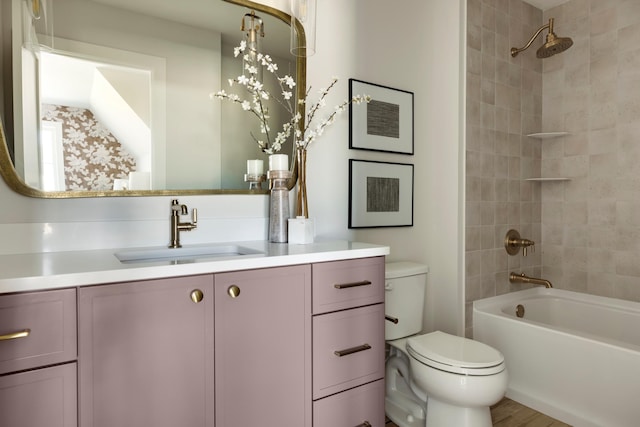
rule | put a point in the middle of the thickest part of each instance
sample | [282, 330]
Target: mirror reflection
[115, 95]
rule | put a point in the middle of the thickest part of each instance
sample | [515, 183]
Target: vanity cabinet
[146, 353]
[263, 347]
[348, 343]
[154, 353]
[290, 346]
[38, 355]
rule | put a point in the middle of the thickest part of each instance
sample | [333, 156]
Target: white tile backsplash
[74, 236]
[140, 222]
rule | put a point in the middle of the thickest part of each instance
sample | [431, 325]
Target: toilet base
[400, 416]
[442, 414]
[402, 405]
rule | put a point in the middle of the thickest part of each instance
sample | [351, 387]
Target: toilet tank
[405, 285]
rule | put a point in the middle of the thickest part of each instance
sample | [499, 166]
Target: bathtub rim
[493, 306]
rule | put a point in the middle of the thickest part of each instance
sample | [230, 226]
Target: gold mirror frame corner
[13, 180]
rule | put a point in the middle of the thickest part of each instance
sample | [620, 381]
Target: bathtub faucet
[521, 278]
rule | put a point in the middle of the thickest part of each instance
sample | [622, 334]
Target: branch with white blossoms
[259, 95]
[306, 136]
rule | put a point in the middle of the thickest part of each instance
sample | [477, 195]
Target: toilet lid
[455, 354]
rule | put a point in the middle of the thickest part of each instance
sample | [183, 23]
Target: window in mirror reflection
[51, 157]
[104, 112]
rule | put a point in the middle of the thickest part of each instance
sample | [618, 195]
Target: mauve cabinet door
[146, 354]
[263, 347]
[40, 398]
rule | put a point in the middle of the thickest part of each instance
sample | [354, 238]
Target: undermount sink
[184, 253]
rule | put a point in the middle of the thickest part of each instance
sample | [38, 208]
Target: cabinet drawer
[348, 349]
[352, 408]
[345, 284]
[42, 397]
[37, 329]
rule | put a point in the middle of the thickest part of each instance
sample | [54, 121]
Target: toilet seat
[455, 354]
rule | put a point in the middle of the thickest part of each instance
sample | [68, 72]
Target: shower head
[553, 45]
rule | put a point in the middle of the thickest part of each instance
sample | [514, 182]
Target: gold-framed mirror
[184, 27]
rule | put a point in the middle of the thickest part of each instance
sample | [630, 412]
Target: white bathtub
[573, 356]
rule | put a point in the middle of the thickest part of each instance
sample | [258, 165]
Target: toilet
[434, 379]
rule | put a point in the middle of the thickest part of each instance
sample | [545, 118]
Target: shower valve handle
[513, 242]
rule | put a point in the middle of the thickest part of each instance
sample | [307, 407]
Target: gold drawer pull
[391, 319]
[351, 285]
[364, 424]
[12, 336]
[352, 350]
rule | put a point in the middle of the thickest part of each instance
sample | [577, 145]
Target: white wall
[419, 50]
[413, 45]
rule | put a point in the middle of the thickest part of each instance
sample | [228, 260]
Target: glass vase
[278, 206]
[302, 207]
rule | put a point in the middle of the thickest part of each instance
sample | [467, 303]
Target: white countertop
[51, 270]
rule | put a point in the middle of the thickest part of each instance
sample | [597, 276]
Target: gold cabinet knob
[233, 291]
[197, 295]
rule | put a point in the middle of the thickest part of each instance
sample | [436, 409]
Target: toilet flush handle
[391, 319]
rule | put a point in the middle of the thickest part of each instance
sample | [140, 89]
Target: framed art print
[380, 194]
[383, 124]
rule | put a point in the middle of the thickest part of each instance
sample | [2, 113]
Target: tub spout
[521, 278]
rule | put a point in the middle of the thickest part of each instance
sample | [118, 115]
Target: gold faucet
[513, 242]
[521, 278]
[176, 226]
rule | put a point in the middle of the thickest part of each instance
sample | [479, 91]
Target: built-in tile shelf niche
[547, 135]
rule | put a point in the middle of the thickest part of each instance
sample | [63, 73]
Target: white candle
[278, 162]
[255, 167]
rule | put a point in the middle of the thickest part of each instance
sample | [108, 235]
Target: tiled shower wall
[587, 228]
[504, 104]
[591, 224]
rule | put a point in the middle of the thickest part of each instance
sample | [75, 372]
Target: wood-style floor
[508, 413]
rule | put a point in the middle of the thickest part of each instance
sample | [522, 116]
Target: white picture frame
[380, 194]
[385, 123]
